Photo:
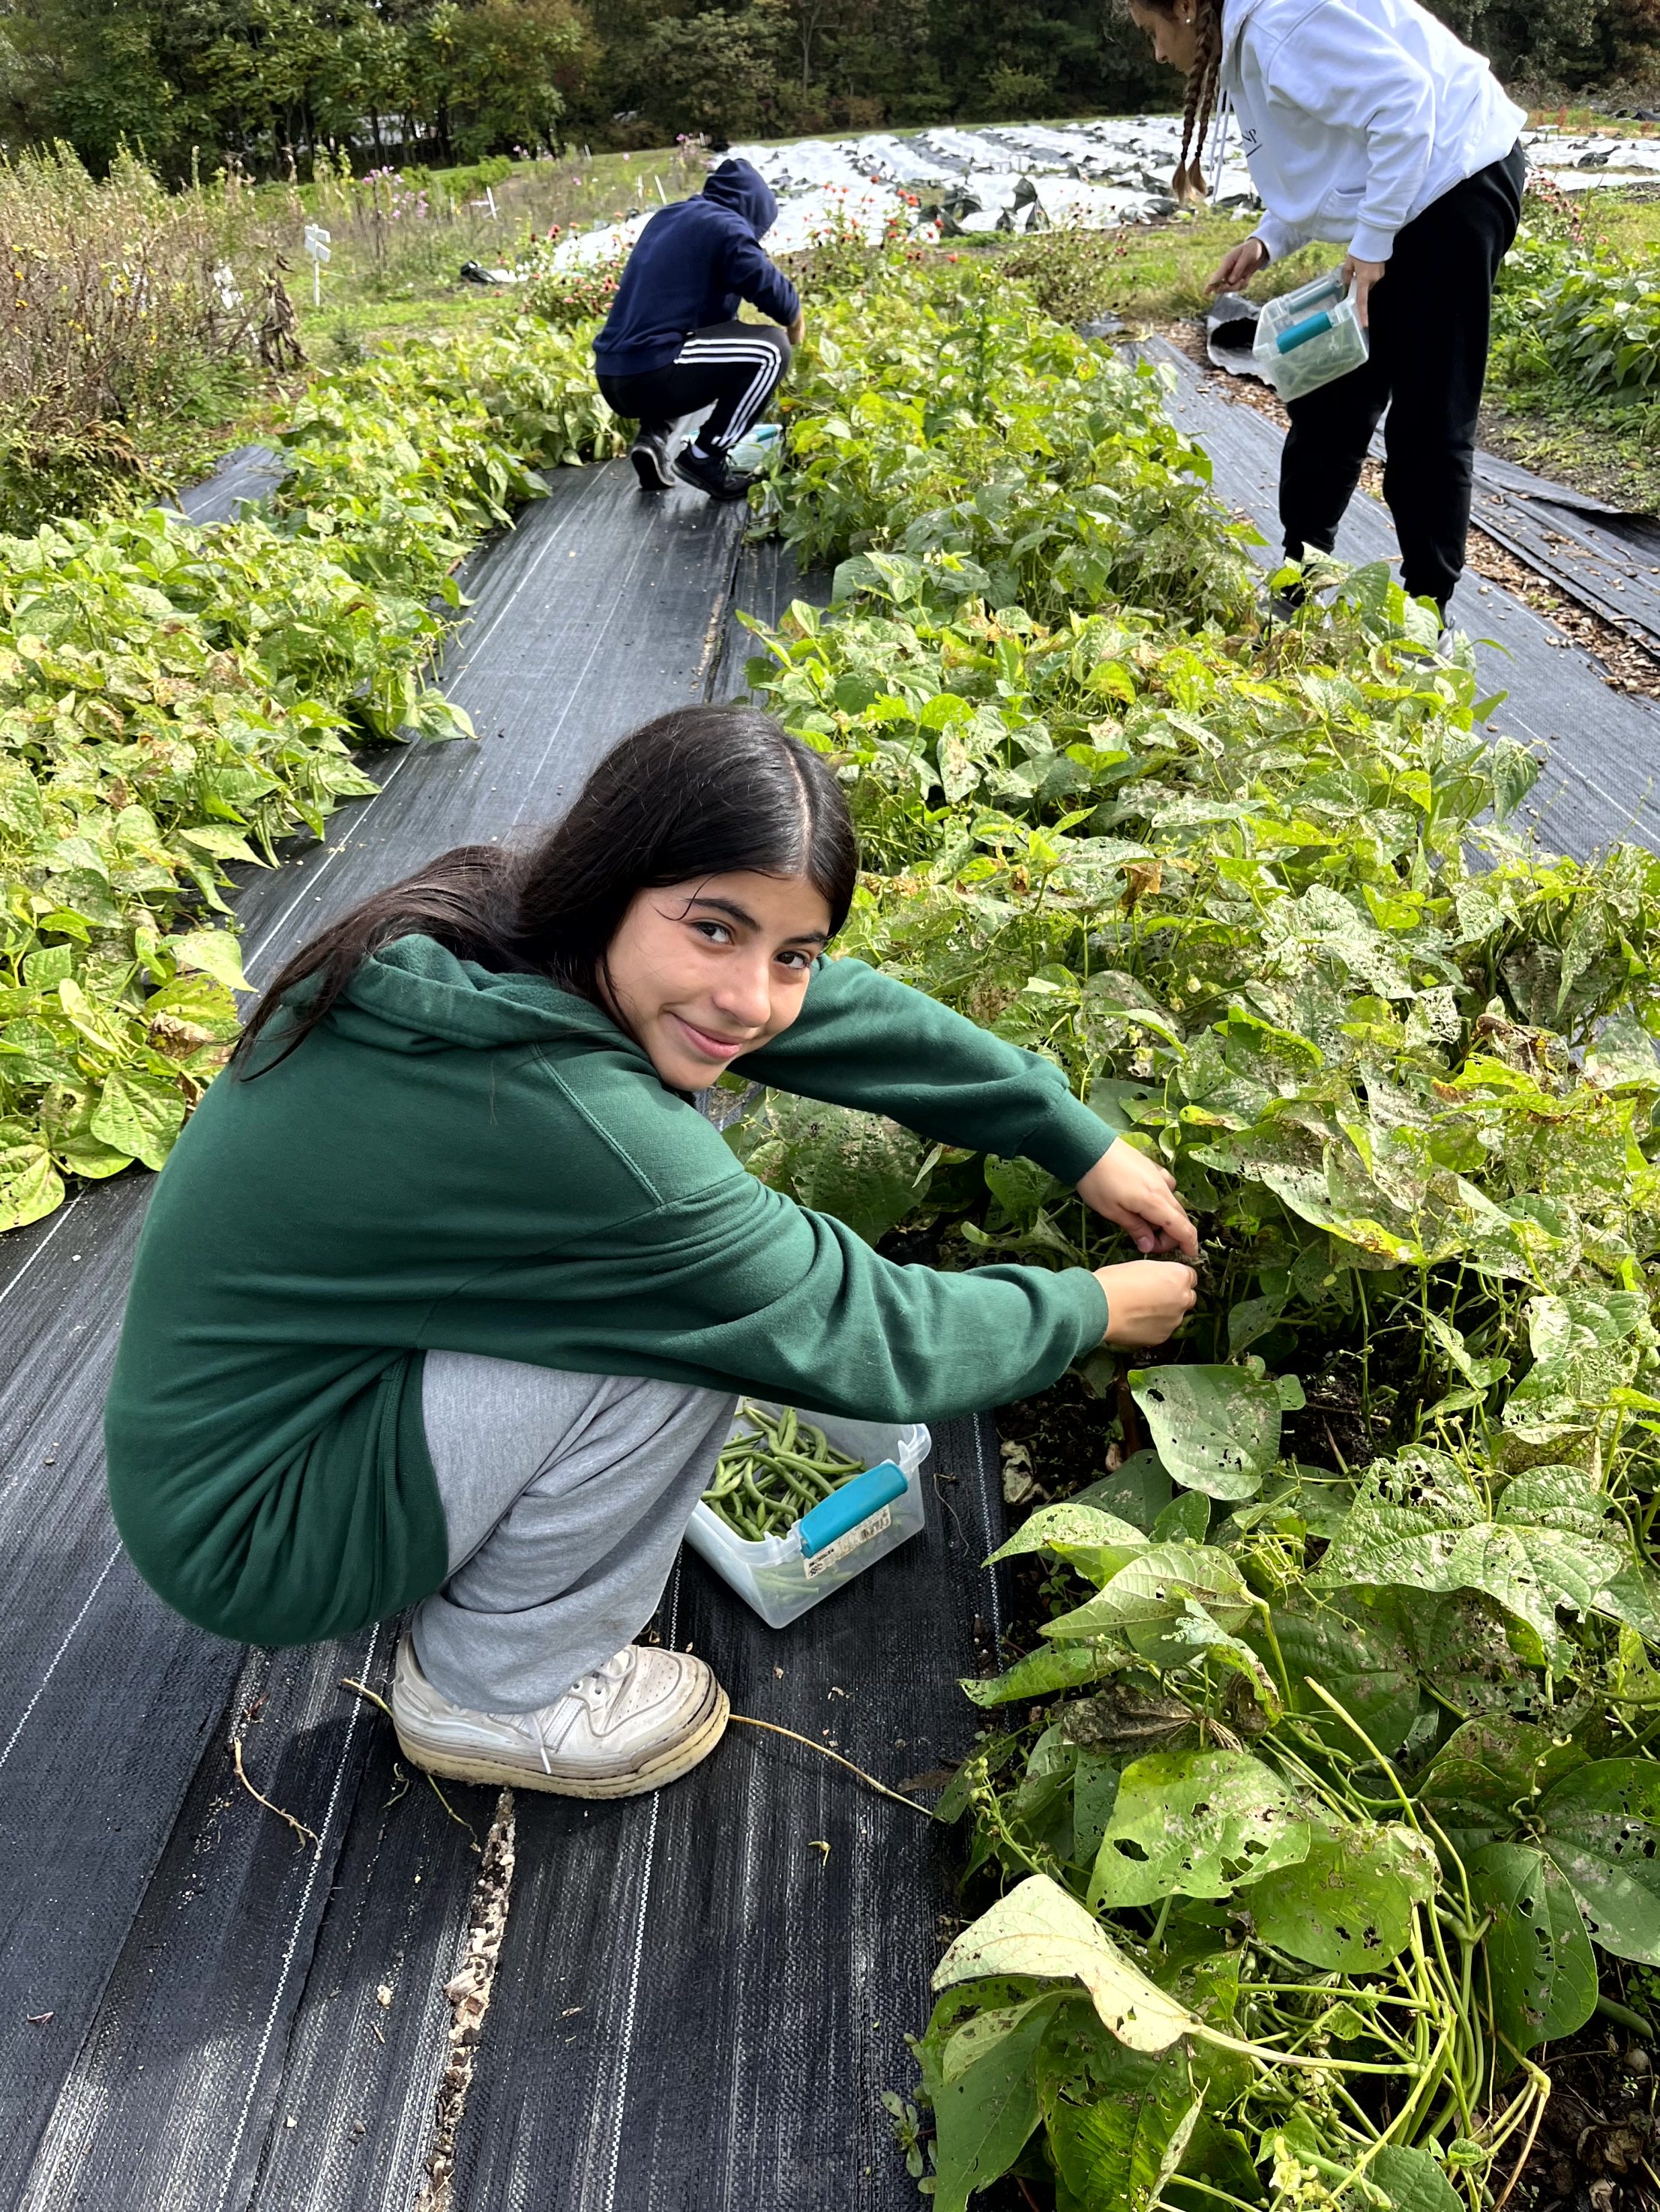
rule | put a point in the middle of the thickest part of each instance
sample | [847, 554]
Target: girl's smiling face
[700, 973]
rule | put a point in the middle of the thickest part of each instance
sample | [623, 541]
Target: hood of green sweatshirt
[413, 996]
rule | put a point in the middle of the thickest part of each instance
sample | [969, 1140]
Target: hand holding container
[1309, 338]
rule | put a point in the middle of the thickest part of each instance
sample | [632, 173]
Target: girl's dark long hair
[702, 792]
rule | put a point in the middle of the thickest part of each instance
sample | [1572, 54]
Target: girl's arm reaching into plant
[865, 1040]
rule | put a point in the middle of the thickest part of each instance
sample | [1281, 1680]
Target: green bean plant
[1318, 1793]
[932, 414]
[175, 700]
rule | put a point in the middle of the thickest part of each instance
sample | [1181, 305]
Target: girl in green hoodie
[447, 1293]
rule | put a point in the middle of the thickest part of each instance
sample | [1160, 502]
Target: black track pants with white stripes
[734, 366]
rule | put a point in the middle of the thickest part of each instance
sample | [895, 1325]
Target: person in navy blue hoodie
[671, 345]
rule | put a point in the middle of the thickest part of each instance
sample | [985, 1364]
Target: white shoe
[646, 1717]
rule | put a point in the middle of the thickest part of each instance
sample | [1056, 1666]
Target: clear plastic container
[751, 450]
[778, 1577]
[1309, 338]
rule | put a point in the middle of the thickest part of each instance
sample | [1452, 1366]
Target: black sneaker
[650, 454]
[713, 473]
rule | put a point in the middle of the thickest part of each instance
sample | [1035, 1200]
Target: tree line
[272, 82]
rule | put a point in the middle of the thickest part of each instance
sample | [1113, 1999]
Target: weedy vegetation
[1318, 1795]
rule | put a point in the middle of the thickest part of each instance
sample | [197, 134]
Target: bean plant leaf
[1094, 1792]
[1097, 1544]
[985, 2114]
[1220, 2156]
[1158, 1585]
[982, 2032]
[1413, 2181]
[1541, 1969]
[1185, 1520]
[1192, 1637]
[1601, 1826]
[1137, 1491]
[1216, 1429]
[1117, 2120]
[139, 1116]
[30, 1187]
[1038, 1930]
[1347, 1904]
[1623, 1057]
[860, 1168]
[1486, 1778]
[1360, 1655]
[1420, 1522]
[1585, 1345]
[1041, 1674]
[215, 952]
[1195, 1824]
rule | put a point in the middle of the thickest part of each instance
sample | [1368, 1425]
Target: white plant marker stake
[317, 245]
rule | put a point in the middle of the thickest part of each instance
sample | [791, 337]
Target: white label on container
[860, 1533]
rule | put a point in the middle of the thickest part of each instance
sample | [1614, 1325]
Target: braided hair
[1204, 80]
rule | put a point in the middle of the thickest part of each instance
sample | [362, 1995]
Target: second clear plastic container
[773, 1576]
[1309, 338]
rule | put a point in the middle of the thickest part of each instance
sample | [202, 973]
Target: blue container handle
[846, 1508]
[1311, 326]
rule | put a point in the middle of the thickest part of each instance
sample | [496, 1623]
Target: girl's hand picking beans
[1140, 1195]
[1146, 1300]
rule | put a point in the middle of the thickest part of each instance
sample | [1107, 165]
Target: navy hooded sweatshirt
[692, 265]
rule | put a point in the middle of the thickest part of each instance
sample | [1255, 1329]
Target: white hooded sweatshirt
[1356, 114]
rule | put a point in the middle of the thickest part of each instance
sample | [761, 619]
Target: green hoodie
[472, 1162]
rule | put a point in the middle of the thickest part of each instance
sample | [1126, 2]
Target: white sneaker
[646, 1717]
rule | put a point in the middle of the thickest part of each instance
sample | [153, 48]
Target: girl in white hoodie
[1366, 121]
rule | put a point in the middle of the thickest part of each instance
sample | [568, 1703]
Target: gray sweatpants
[566, 1497]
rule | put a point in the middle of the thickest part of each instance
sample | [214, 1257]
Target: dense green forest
[270, 80]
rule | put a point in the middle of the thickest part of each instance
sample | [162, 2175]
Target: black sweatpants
[734, 366]
[1429, 316]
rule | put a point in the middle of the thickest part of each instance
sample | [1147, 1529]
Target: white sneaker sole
[667, 1766]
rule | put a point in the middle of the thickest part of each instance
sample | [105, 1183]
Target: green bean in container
[775, 1470]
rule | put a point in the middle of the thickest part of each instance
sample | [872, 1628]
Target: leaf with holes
[1216, 1429]
[1541, 1968]
[1038, 1930]
[1117, 2120]
[1421, 1523]
[1195, 1824]
[1347, 1904]
[1485, 1778]
[1097, 1544]
[1159, 1584]
[1601, 1826]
